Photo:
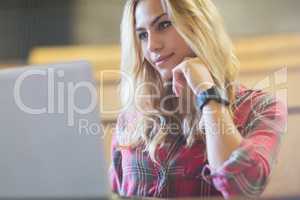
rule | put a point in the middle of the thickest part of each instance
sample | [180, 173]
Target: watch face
[212, 93]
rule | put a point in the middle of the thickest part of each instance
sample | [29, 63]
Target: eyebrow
[153, 22]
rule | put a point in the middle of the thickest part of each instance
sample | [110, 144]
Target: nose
[155, 43]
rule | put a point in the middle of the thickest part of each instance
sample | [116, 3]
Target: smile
[164, 59]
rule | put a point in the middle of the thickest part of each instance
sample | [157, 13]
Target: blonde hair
[200, 25]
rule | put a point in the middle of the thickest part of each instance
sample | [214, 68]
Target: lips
[163, 59]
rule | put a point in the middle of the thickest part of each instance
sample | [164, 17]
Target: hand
[193, 73]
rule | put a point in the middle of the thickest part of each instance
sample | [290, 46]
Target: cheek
[146, 54]
[179, 46]
[147, 58]
[144, 51]
[183, 48]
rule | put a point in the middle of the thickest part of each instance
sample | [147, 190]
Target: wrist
[213, 105]
[212, 96]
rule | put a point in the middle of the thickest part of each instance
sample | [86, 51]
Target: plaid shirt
[185, 172]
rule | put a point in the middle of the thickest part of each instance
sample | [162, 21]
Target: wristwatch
[212, 93]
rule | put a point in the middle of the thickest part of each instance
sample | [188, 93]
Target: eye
[163, 25]
[143, 35]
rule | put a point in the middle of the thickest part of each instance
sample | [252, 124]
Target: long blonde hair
[200, 25]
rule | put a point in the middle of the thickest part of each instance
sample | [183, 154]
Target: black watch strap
[212, 93]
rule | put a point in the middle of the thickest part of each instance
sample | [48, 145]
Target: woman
[188, 130]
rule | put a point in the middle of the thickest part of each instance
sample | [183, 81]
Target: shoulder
[126, 125]
[250, 102]
[127, 118]
[246, 95]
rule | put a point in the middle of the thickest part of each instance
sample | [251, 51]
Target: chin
[166, 75]
[166, 72]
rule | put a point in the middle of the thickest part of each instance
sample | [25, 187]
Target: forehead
[147, 10]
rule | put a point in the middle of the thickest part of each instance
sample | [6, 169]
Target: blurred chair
[101, 57]
[270, 62]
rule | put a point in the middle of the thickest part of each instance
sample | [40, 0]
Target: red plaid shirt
[185, 172]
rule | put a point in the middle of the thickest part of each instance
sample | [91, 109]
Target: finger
[178, 82]
[192, 74]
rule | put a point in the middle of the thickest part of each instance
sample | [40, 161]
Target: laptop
[51, 138]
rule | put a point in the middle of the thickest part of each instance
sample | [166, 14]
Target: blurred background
[266, 35]
[27, 24]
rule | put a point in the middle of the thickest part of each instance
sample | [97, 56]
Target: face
[161, 44]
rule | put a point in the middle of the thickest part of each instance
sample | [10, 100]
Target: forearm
[249, 159]
[222, 137]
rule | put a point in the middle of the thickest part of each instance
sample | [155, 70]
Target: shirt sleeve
[248, 169]
[115, 170]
